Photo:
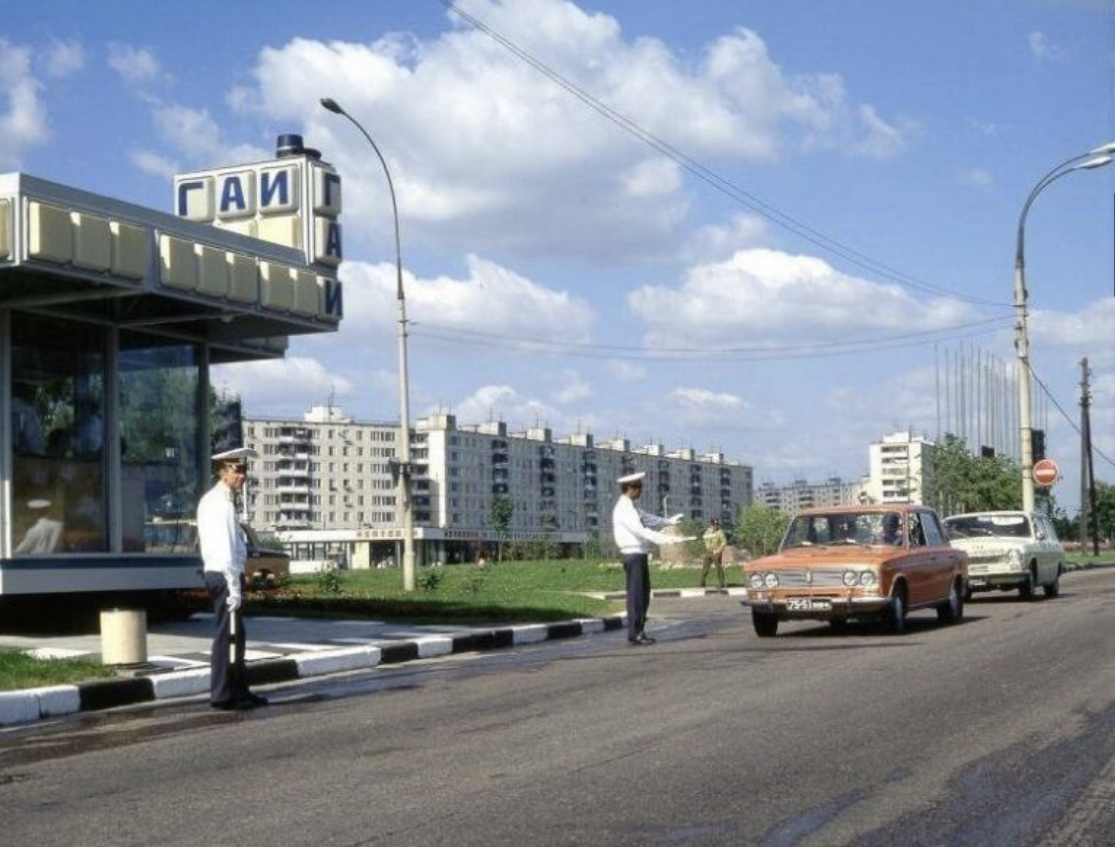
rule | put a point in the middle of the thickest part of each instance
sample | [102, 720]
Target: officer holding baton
[224, 551]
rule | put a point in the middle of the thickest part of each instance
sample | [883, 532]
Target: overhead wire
[1065, 415]
[750, 352]
[712, 178]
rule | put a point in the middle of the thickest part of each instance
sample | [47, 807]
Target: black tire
[952, 610]
[895, 617]
[1053, 588]
[766, 624]
[1026, 589]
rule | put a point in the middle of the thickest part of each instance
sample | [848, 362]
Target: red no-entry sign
[1046, 472]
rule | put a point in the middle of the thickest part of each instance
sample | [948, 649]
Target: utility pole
[1087, 471]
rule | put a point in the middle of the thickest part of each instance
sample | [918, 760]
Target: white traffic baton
[232, 636]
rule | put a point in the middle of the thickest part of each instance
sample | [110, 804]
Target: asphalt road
[997, 731]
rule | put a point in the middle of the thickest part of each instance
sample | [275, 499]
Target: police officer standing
[224, 551]
[634, 532]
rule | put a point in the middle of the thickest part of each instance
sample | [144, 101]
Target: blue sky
[908, 134]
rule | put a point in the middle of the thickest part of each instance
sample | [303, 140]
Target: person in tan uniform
[715, 542]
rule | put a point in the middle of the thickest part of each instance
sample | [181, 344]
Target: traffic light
[1037, 440]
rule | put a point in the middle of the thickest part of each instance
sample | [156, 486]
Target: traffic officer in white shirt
[224, 551]
[635, 531]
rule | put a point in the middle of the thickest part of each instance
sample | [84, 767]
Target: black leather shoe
[231, 705]
[636, 642]
[646, 639]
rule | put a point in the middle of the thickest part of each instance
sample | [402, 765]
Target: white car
[1010, 550]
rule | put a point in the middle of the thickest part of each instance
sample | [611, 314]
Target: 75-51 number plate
[808, 604]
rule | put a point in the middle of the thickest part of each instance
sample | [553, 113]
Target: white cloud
[715, 411]
[718, 242]
[282, 386]
[154, 164]
[491, 299]
[977, 177]
[1043, 49]
[530, 167]
[625, 371]
[573, 388]
[64, 58]
[761, 296]
[504, 403]
[135, 65]
[22, 115]
[1092, 329]
[194, 139]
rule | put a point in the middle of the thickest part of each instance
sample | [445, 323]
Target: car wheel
[952, 610]
[1026, 589]
[1053, 588]
[896, 614]
[766, 624]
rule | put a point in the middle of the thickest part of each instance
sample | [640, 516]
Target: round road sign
[1046, 472]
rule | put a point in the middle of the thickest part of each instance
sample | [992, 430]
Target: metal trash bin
[123, 637]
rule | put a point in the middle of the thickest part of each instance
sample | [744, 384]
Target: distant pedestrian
[224, 551]
[715, 542]
[634, 533]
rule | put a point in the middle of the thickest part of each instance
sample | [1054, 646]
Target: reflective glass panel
[58, 433]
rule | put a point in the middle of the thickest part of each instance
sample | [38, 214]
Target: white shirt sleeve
[629, 529]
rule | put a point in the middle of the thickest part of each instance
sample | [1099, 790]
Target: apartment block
[801, 494]
[901, 466]
[324, 484]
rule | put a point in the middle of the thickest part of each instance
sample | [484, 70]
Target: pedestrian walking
[224, 551]
[715, 542]
[635, 532]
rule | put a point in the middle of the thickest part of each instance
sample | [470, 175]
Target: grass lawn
[1085, 559]
[499, 593]
[19, 671]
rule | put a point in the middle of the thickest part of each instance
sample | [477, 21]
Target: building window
[58, 473]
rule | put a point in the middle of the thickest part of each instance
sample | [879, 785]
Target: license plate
[808, 604]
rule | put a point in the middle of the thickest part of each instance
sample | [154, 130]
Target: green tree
[1105, 514]
[961, 482]
[503, 509]
[760, 529]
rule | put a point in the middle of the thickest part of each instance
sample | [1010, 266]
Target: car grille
[806, 578]
[985, 558]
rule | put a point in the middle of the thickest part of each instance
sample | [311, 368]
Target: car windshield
[977, 526]
[859, 528]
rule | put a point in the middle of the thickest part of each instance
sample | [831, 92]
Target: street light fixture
[1097, 158]
[404, 467]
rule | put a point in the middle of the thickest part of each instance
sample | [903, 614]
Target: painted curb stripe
[272, 670]
[395, 653]
[114, 692]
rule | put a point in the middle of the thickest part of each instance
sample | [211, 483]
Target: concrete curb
[678, 592]
[36, 703]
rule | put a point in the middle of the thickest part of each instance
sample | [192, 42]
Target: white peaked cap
[632, 477]
[232, 455]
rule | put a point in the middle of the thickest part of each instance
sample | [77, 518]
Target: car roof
[859, 510]
[995, 514]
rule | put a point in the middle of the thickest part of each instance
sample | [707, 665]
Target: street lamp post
[403, 484]
[1085, 161]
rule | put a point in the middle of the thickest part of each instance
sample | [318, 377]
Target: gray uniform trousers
[637, 571]
[228, 680]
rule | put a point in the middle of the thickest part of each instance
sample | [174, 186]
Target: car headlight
[867, 578]
[850, 578]
[770, 580]
[755, 580]
[1014, 560]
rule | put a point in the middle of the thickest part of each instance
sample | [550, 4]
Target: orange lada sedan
[852, 563]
